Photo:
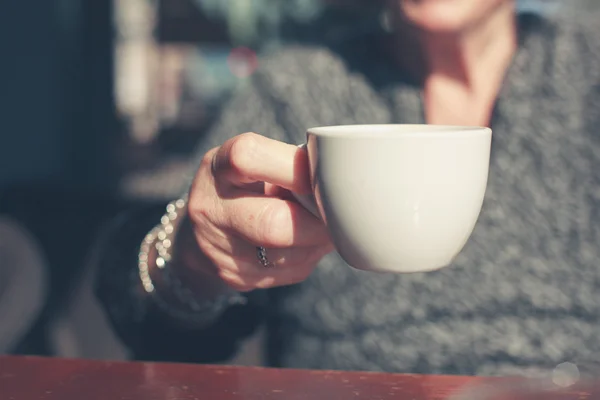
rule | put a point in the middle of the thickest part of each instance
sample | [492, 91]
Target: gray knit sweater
[524, 295]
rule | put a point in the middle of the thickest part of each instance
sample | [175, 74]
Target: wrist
[163, 271]
[192, 266]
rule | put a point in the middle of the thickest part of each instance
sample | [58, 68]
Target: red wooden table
[32, 378]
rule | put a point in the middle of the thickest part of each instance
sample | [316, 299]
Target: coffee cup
[398, 198]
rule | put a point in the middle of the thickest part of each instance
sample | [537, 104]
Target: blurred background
[99, 100]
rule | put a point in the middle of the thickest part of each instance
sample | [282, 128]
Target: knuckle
[235, 281]
[209, 158]
[206, 247]
[199, 209]
[201, 203]
[242, 153]
[266, 283]
[297, 258]
[208, 167]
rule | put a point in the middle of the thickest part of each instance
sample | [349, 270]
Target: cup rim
[397, 130]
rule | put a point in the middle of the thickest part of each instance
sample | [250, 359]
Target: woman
[520, 297]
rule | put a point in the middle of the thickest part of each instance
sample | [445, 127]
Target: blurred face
[448, 16]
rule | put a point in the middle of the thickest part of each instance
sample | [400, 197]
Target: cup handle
[307, 200]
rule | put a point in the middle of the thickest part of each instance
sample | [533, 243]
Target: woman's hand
[240, 200]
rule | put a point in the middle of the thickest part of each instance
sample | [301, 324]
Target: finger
[272, 222]
[250, 157]
[282, 258]
[247, 253]
[290, 266]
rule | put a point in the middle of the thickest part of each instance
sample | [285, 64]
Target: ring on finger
[261, 254]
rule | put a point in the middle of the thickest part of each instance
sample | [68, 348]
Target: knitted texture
[524, 295]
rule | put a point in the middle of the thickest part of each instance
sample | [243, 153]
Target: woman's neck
[475, 56]
[461, 73]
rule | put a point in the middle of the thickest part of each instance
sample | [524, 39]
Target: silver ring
[261, 254]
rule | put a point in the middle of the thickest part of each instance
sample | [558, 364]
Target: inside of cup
[396, 130]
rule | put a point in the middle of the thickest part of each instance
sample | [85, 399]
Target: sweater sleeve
[140, 325]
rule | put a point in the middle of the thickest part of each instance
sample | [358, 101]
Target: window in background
[177, 60]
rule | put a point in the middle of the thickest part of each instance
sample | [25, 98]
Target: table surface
[28, 378]
[34, 378]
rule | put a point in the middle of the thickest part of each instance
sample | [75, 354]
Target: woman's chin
[432, 17]
[442, 24]
[449, 16]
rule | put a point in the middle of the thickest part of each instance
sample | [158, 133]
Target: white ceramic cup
[398, 198]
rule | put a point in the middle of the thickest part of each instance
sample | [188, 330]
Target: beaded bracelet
[175, 298]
